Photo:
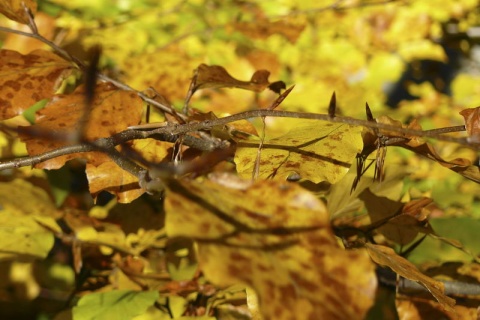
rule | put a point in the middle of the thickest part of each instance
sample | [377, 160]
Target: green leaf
[29, 114]
[319, 151]
[118, 305]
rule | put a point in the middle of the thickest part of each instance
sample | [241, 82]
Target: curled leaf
[387, 257]
[15, 9]
[472, 123]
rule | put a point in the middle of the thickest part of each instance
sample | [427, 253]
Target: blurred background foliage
[407, 59]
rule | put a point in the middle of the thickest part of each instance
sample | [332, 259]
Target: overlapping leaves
[284, 249]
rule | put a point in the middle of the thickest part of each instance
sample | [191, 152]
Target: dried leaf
[112, 111]
[387, 257]
[218, 77]
[26, 79]
[472, 123]
[318, 151]
[284, 249]
[15, 10]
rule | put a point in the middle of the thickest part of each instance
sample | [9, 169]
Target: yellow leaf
[22, 235]
[274, 237]
[168, 71]
[422, 50]
[21, 198]
[318, 151]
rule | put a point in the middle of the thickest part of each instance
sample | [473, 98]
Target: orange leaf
[472, 122]
[112, 111]
[218, 77]
[108, 176]
[26, 79]
[14, 9]
[387, 257]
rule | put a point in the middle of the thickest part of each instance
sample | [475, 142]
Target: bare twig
[208, 124]
[107, 145]
[82, 66]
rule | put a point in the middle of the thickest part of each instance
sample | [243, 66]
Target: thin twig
[106, 145]
[208, 124]
[67, 56]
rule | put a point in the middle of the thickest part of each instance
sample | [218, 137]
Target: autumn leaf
[26, 79]
[218, 77]
[472, 123]
[284, 249]
[112, 111]
[15, 9]
[387, 257]
[27, 220]
[318, 151]
[167, 71]
[108, 176]
[418, 145]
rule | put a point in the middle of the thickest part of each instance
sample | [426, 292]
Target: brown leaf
[218, 77]
[113, 110]
[472, 122]
[14, 9]
[387, 257]
[26, 79]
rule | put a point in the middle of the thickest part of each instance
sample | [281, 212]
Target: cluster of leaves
[193, 211]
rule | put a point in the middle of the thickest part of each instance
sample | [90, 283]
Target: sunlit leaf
[170, 77]
[26, 79]
[318, 151]
[15, 9]
[108, 176]
[284, 249]
[119, 304]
